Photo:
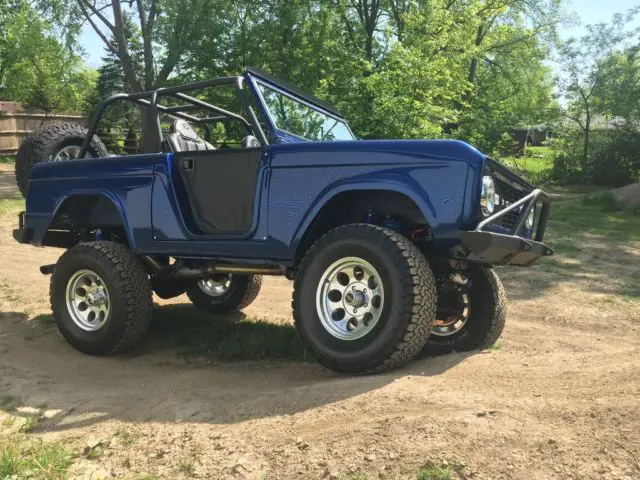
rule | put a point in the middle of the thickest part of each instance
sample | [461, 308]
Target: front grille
[507, 195]
[509, 189]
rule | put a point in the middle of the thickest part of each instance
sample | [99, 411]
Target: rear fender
[77, 195]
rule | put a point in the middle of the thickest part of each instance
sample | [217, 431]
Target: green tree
[120, 116]
[35, 66]
[584, 63]
[396, 68]
[166, 29]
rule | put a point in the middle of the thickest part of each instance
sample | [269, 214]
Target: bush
[613, 158]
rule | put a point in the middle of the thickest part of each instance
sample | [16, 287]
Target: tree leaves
[36, 68]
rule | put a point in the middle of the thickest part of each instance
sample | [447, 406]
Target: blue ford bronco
[390, 243]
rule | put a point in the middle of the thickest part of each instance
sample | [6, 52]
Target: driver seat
[183, 138]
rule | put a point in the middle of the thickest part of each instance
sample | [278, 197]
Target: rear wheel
[225, 293]
[469, 316]
[364, 299]
[100, 297]
[53, 143]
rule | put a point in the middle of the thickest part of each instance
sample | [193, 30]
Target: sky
[585, 11]
[595, 11]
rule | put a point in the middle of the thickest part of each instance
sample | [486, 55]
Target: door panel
[221, 188]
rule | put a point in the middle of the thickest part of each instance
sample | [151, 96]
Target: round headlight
[530, 219]
[488, 196]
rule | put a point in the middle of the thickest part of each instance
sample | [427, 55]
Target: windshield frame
[280, 134]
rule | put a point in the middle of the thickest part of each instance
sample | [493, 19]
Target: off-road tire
[130, 300]
[43, 144]
[243, 290]
[488, 313]
[407, 314]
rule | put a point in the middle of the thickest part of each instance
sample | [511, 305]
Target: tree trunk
[473, 71]
[473, 68]
[585, 146]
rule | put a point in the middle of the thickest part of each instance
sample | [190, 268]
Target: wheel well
[80, 217]
[363, 206]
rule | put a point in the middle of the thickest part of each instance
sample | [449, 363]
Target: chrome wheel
[69, 152]
[454, 308]
[87, 300]
[216, 286]
[350, 298]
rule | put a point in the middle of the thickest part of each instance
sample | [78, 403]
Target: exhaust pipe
[47, 269]
[188, 273]
[249, 269]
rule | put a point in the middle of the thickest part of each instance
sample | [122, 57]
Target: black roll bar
[149, 99]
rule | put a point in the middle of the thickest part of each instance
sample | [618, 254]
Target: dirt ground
[8, 187]
[560, 399]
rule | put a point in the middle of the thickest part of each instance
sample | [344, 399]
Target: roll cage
[245, 89]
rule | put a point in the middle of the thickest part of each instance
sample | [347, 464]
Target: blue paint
[296, 180]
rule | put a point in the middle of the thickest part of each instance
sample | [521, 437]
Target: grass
[8, 293]
[94, 453]
[595, 215]
[187, 468]
[31, 423]
[433, 472]
[11, 205]
[496, 347]
[10, 159]
[534, 165]
[21, 458]
[44, 320]
[126, 436]
[8, 422]
[224, 338]
[590, 237]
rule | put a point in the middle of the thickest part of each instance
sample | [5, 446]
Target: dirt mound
[628, 196]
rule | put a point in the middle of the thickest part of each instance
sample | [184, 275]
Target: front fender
[391, 181]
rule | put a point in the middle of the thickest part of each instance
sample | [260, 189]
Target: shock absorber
[391, 224]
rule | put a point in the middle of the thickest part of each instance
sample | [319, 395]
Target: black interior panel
[221, 188]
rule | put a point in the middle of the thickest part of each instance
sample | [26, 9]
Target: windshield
[302, 120]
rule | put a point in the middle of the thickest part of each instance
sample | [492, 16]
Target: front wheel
[364, 299]
[469, 317]
[225, 293]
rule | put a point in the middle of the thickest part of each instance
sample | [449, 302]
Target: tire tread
[134, 285]
[418, 301]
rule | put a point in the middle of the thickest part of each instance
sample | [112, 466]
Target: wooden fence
[14, 126]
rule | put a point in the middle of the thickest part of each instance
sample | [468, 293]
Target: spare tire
[53, 143]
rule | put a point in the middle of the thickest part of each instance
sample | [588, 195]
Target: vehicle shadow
[600, 266]
[217, 371]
